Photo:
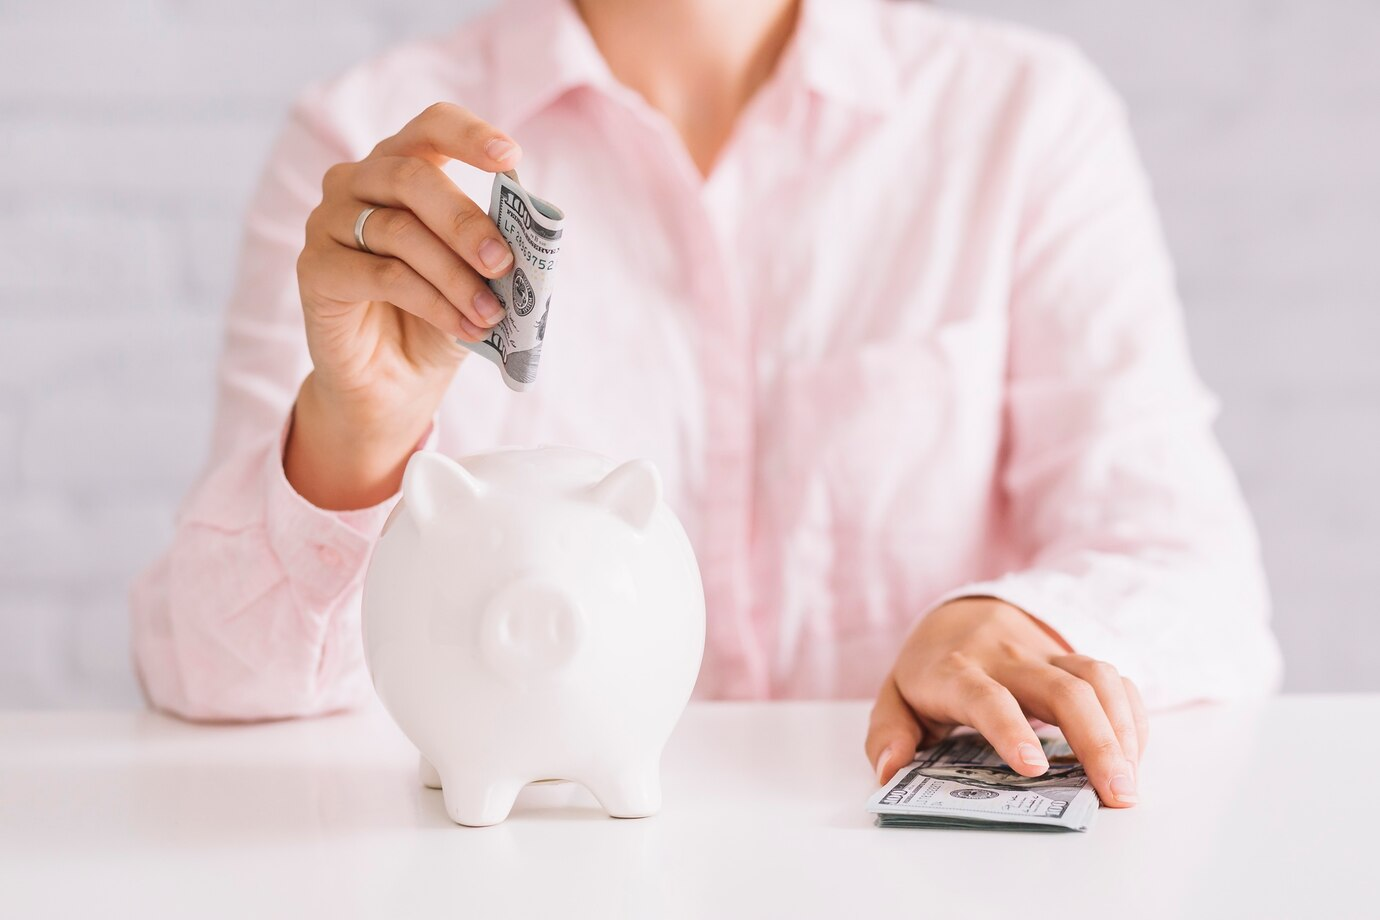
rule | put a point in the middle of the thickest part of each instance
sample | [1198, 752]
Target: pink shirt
[916, 337]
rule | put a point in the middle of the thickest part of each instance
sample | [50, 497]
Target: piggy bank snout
[531, 629]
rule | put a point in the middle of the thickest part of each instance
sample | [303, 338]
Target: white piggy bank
[534, 614]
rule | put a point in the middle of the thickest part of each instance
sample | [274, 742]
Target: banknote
[963, 783]
[533, 229]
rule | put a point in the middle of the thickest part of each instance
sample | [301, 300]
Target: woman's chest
[824, 332]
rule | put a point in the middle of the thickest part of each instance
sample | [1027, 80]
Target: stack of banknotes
[962, 782]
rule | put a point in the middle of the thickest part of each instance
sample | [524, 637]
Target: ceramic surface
[534, 614]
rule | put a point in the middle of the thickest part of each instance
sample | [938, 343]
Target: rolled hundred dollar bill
[533, 229]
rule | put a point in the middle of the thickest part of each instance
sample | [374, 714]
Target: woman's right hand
[381, 325]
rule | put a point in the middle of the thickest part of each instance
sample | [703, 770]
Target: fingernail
[470, 329]
[1124, 789]
[882, 762]
[1032, 755]
[488, 306]
[500, 149]
[494, 255]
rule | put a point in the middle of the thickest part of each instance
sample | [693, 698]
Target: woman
[881, 291]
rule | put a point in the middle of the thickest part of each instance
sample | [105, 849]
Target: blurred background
[131, 134]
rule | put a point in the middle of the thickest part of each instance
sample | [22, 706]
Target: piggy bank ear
[434, 485]
[632, 492]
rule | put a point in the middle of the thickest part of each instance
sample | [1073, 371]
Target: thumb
[893, 734]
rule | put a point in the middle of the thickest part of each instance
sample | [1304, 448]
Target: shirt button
[328, 555]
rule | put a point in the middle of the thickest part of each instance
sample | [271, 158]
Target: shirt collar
[844, 54]
[541, 50]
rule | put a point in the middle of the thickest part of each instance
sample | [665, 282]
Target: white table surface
[1267, 809]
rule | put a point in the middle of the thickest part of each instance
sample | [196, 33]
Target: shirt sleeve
[253, 611]
[1135, 541]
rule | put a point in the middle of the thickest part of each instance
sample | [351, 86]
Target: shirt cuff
[1061, 602]
[323, 552]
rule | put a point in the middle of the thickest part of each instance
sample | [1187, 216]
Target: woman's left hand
[983, 663]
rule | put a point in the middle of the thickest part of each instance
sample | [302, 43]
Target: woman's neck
[697, 61]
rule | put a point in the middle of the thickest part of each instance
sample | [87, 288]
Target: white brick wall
[130, 135]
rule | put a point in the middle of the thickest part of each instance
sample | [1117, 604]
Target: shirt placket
[727, 359]
[735, 665]
[725, 209]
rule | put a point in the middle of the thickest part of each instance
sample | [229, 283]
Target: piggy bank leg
[628, 791]
[427, 773]
[478, 804]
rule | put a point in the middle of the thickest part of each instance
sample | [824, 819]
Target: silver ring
[359, 230]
